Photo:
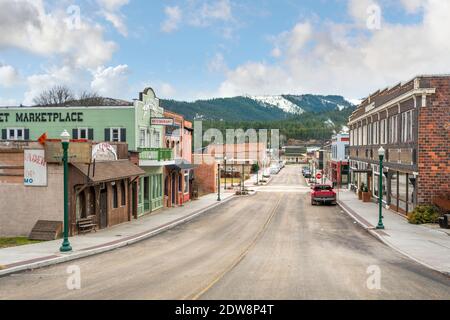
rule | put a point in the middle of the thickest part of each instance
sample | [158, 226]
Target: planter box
[360, 195]
[366, 197]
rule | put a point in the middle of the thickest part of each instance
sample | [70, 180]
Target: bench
[86, 225]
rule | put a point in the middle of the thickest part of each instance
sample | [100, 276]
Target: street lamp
[381, 153]
[218, 182]
[225, 164]
[65, 138]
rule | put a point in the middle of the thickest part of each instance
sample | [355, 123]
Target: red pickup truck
[322, 193]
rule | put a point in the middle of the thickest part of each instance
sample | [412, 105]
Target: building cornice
[404, 97]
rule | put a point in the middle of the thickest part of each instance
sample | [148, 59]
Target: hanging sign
[35, 168]
[104, 152]
[161, 122]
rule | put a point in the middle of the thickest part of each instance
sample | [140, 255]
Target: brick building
[412, 122]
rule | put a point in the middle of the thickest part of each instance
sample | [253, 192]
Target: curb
[372, 231]
[54, 259]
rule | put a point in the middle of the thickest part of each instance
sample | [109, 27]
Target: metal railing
[158, 154]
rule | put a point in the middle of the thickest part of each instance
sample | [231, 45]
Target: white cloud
[217, 64]
[166, 90]
[347, 59]
[111, 82]
[111, 12]
[113, 5]
[210, 11]
[412, 6]
[28, 26]
[173, 19]
[7, 102]
[74, 78]
[8, 76]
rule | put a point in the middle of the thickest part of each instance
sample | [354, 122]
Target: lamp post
[65, 138]
[225, 164]
[381, 153]
[218, 182]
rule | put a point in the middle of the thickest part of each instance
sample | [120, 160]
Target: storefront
[105, 193]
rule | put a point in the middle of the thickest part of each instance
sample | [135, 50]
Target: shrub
[424, 214]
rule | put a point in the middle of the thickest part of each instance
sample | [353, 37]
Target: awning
[181, 165]
[109, 170]
[360, 171]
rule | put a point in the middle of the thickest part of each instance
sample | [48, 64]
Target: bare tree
[88, 98]
[56, 96]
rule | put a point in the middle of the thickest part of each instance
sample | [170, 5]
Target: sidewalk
[425, 245]
[42, 254]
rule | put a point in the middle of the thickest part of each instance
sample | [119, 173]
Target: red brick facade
[434, 142]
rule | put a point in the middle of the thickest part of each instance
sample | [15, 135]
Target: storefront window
[402, 190]
[394, 191]
[411, 193]
[186, 183]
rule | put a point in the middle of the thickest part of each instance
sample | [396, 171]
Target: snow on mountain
[279, 102]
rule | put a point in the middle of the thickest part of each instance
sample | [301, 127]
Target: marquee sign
[104, 152]
[161, 121]
[35, 168]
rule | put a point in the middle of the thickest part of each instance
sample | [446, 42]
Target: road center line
[241, 256]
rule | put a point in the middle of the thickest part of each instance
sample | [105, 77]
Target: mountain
[257, 108]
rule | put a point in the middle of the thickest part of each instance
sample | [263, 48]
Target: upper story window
[393, 129]
[15, 134]
[383, 131]
[116, 134]
[407, 126]
[369, 134]
[376, 133]
[364, 130]
[360, 136]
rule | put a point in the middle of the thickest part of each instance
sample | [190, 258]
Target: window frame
[16, 131]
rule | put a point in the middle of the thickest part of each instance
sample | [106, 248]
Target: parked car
[306, 173]
[323, 194]
[274, 170]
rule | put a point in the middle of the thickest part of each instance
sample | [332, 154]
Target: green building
[130, 124]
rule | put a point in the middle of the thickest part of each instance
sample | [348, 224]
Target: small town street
[271, 245]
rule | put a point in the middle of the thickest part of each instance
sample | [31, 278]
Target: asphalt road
[273, 245]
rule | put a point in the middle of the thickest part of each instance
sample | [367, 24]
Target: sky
[195, 49]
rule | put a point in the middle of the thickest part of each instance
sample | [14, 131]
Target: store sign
[21, 117]
[104, 152]
[161, 122]
[35, 168]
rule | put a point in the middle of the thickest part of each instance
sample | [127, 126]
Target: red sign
[319, 175]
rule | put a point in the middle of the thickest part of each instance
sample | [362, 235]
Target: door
[103, 209]
[134, 205]
[174, 189]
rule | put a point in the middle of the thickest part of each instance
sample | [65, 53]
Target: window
[157, 139]
[115, 195]
[82, 133]
[360, 136]
[393, 132]
[375, 136]
[142, 137]
[15, 134]
[364, 135]
[186, 183]
[123, 194]
[115, 134]
[180, 183]
[369, 134]
[407, 126]
[383, 131]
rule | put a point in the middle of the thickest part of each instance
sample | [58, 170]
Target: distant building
[339, 165]
[294, 154]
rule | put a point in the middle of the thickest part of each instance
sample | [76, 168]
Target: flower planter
[360, 195]
[366, 197]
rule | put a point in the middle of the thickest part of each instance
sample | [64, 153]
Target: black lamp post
[65, 138]
[225, 164]
[380, 226]
[218, 182]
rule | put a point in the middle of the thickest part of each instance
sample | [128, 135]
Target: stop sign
[319, 175]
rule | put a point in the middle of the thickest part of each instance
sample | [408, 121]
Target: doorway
[103, 208]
